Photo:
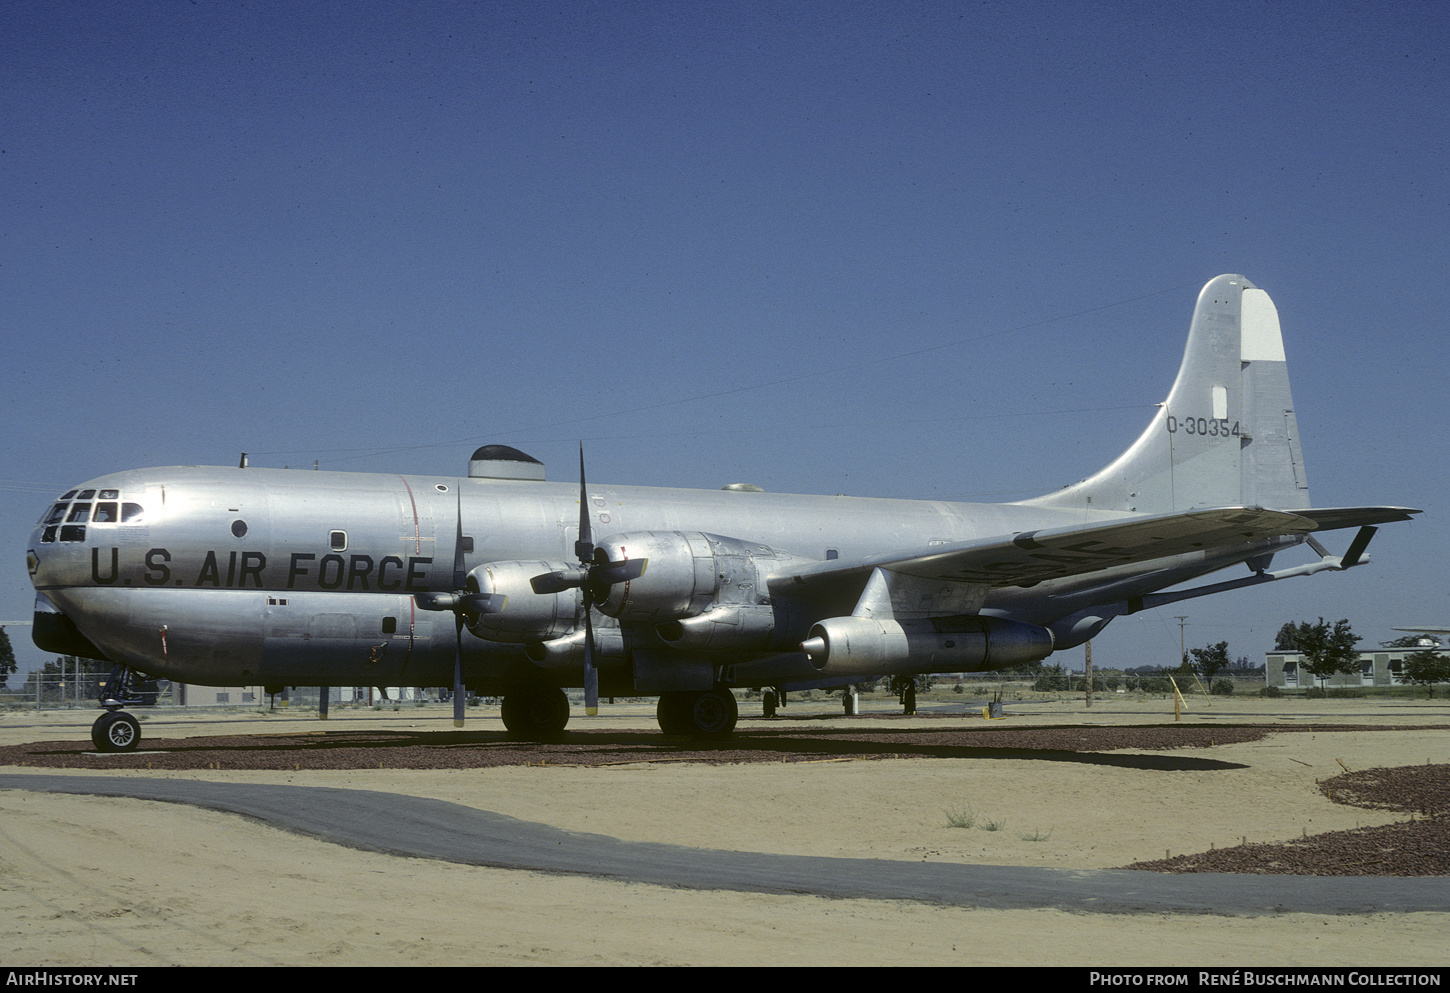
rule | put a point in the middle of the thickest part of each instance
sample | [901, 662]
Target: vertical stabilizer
[1226, 435]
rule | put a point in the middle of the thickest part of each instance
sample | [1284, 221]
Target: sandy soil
[122, 882]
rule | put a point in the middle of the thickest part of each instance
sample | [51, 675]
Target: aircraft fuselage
[239, 576]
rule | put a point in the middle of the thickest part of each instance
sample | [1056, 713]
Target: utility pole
[1087, 669]
[1182, 645]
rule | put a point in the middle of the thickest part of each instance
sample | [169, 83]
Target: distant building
[1380, 668]
[191, 695]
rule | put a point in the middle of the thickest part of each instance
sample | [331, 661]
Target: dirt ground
[91, 881]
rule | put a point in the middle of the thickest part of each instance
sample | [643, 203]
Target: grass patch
[962, 817]
[1036, 836]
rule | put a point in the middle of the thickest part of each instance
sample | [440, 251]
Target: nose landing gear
[116, 730]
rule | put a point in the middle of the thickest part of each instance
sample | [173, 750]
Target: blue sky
[943, 250]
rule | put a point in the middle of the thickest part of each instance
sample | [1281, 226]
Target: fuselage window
[105, 513]
[73, 532]
[79, 513]
[68, 494]
[85, 494]
[132, 513]
[56, 515]
[338, 541]
[390, 625]
[110, 494]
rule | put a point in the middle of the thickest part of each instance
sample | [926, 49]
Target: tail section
[1226, 435]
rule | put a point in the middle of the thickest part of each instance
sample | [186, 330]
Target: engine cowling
[871, 646]
[518, 614]
[685, 574]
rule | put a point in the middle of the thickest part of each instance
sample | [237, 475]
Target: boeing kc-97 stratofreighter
[494, 582]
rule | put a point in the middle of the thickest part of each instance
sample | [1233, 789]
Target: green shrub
[1222, 687]
[962, 817]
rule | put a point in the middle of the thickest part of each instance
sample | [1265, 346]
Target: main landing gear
[541, 712]
[535, 712]
[116, 730]
[705, 714]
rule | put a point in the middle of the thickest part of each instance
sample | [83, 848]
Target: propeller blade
[591, 674]
[460, 567]
[482, 603]
[584, 547]
[618, 572]
[558, 582]
[436, 601]
[458, 692]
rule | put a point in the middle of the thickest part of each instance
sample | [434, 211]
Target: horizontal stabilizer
[1334, 518]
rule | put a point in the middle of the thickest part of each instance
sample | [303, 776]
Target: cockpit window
[107, 510]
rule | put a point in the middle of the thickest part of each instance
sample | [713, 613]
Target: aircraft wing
[1030, 557]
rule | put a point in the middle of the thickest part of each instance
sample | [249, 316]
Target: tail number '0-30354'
[1213, 427]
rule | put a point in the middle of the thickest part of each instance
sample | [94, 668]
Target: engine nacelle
[684, 576]
[869, 646]
[517, 613]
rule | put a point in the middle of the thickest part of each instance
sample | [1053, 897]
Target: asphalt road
[417, 827]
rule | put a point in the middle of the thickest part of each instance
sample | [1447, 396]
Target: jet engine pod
[516, 613]
[680, 579]
[870, 646]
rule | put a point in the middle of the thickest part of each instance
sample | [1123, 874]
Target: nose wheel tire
[117, 731]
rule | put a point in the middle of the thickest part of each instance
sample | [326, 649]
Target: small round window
[239, 529]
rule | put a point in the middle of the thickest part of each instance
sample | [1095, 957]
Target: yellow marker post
[1177, 700]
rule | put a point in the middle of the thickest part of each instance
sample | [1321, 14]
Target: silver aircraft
[505, 584]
